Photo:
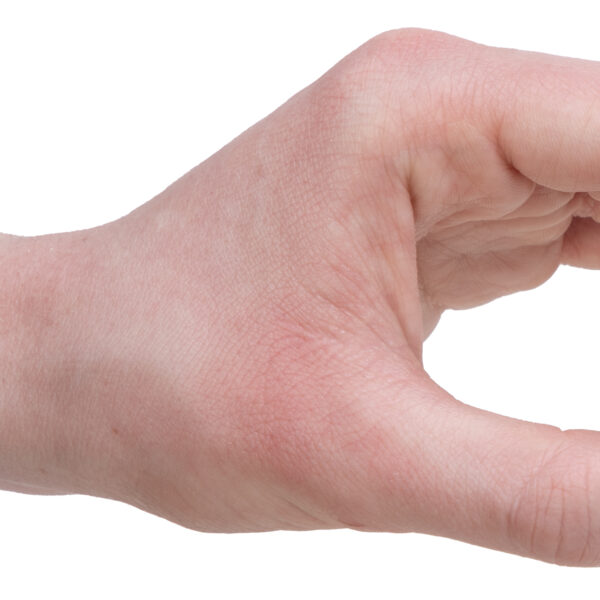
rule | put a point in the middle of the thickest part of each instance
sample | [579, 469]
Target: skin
[243, 352]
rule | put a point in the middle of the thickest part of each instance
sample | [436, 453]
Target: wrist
[38, 292]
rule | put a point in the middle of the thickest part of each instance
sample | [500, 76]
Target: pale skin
[243, 352]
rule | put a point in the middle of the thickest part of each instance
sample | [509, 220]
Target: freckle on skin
[115, 431]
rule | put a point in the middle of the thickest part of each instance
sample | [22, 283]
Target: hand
[243, 352]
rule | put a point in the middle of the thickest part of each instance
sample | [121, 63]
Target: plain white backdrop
[102, 105]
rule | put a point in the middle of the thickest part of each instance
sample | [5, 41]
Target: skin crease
[243, 352]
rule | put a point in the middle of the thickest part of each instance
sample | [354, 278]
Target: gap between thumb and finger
[516, 486]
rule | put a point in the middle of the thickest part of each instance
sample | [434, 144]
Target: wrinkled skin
[243, 352]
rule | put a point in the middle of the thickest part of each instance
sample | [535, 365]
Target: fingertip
[581, 244]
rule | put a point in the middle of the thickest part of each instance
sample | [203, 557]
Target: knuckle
[399, 61]
[401, 86]
[410, 42]
[553, 515]
[366, 75]
[405, 84]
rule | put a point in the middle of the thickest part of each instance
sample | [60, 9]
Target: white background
[102, 105]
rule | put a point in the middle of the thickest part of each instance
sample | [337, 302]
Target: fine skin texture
[243, 352]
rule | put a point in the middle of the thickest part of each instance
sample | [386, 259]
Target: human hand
[243, 352]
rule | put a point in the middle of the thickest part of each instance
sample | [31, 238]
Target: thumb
[499, 482]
